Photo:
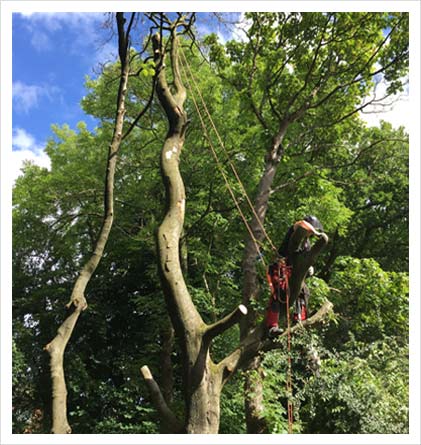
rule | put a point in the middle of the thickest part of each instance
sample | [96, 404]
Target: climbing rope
[221, 169]
[185, 65]
[289, 370]
[190, 80]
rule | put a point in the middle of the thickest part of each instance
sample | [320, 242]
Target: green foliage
[232, 407]
[361, 390]
[321, 197]
[319, 291]
[274, 392]
[371, 303]
[23, 390]
[363, 381]
[355, 179]
[124, 412]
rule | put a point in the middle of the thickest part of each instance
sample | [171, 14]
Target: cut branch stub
[168, 418]
[225, 323]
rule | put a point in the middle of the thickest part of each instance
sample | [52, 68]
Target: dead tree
[78, 302]
[203, 379]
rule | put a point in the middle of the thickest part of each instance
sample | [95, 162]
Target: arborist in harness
[280, 271]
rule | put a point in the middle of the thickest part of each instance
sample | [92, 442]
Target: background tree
[304, 77]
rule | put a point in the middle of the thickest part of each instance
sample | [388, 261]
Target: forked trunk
[203, 379]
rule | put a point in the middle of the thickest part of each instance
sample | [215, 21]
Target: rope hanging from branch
[190, 81]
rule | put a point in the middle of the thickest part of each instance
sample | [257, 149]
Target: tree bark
[254, 405]
[253, 398]
[78, 303]
[167, 378]
[203, 379]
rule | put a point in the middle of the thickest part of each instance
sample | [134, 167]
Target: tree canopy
[285, 100]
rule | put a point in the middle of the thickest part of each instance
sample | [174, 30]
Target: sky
[51, 55]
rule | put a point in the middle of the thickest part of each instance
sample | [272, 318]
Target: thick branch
[301, 261]
[225, 323]
[168, 419]
[257, 342]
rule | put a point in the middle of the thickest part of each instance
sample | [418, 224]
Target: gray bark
[203, 379]
[78, 303]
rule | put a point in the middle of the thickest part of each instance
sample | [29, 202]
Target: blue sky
[51, 55]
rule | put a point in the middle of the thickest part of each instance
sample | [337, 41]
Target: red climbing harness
[278, 276]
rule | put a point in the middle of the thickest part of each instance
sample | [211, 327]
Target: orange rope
[289, 372]
[226, 153]
[219, 164]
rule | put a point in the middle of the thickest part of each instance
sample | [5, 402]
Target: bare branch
[225, 323]
[168, 418]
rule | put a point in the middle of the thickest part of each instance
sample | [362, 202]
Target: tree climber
[280, 271]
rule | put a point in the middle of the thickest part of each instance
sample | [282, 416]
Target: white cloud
[22, 140]
[82, 29]
[394, 109]
[27, 96]
[54, 21]
[25, 148]
[40, 41]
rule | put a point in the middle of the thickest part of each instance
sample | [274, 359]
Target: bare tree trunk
[167, 378]
[253, 398]
[256, 423]
[203, 379]
[78, 303]
[202, 384]
[204, 401]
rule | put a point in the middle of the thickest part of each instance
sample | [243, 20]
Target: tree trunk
[203, 379]
[204, 402]
[167, 378]
[78, 303]
[253, 398]
[256, 423]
